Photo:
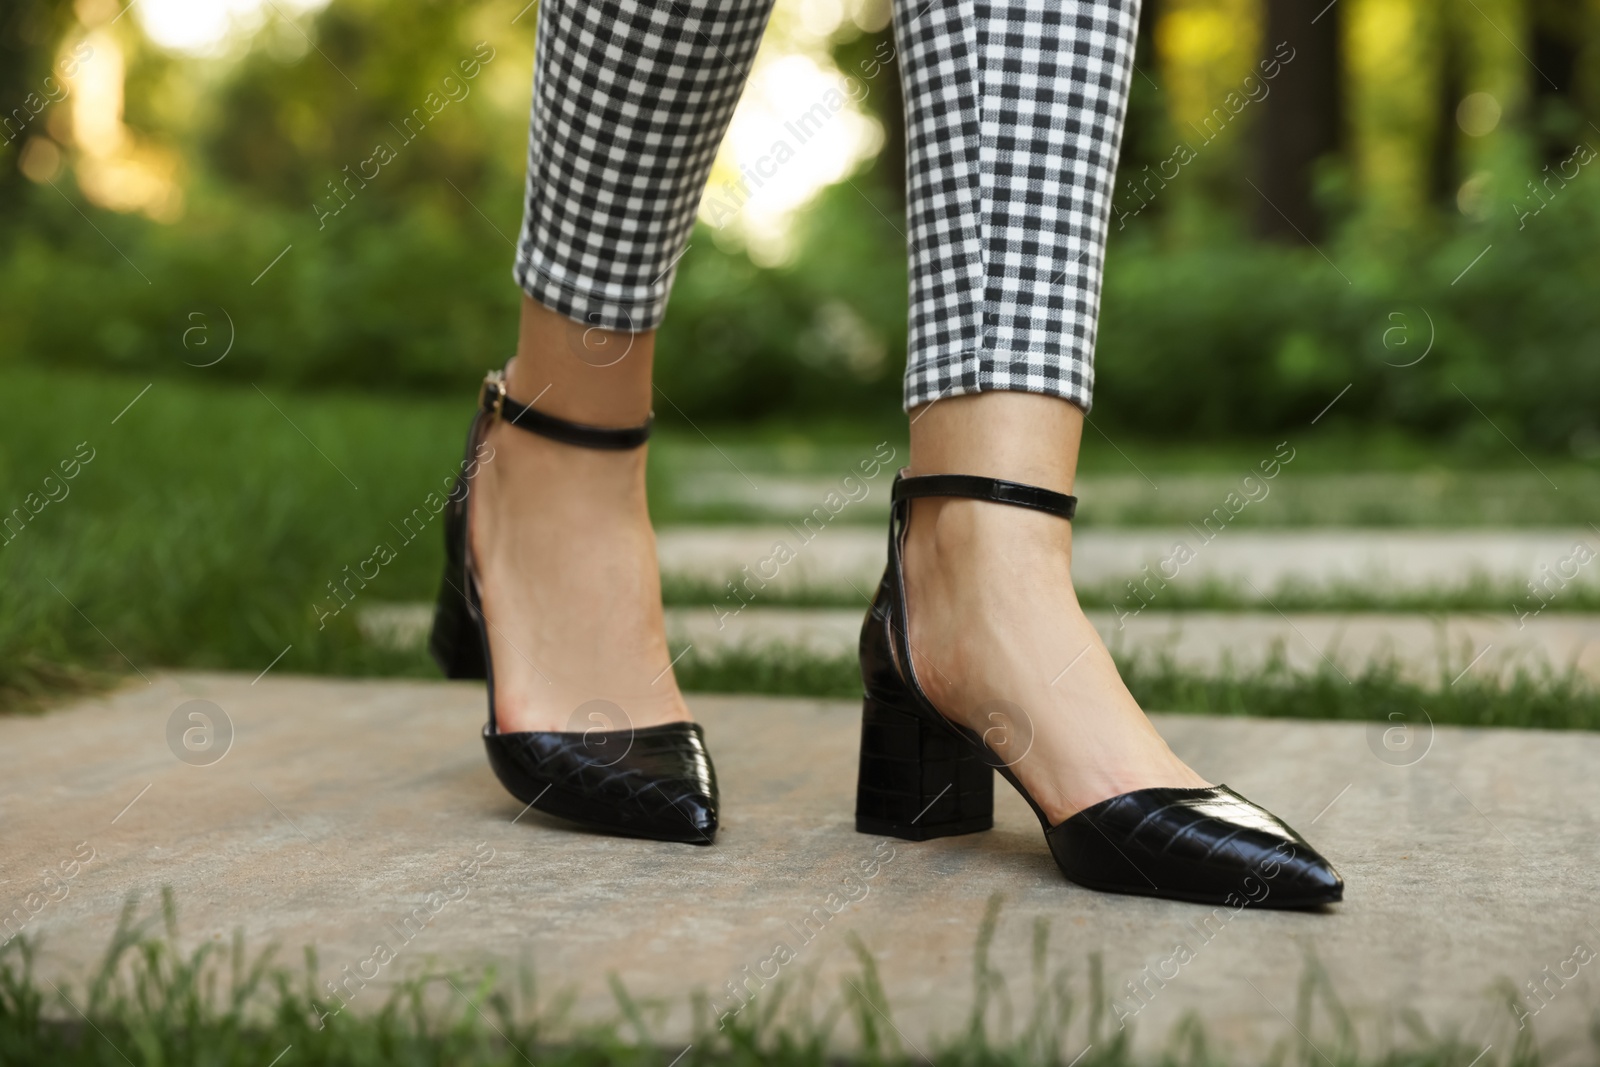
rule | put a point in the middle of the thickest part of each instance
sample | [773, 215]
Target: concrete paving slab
[731, 481]
[1426, 649]
[1253, 563]
[1422, 648]
[346, 814]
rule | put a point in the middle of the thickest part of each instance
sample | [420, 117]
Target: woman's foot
[1001, 646]
[566, 561]
[998, 639]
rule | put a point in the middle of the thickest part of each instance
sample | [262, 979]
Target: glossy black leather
[1208, 845]
[494, 401]
[996, 490]
[1205, 844]
[655, 782]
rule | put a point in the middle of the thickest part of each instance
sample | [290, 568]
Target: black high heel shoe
[924, 776]
[654, 781]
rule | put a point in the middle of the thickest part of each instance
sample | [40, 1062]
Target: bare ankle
[952, 540]
[579, 372]
[1022, 437]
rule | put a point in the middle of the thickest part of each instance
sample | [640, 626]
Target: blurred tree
[298, 131]
[1444, 169]
[1497, 39]
[1588, 74]
[1561, 30]
[1205, 55]
[1302, 120]
[1393, 105]
[1147, 138]
[30, 32]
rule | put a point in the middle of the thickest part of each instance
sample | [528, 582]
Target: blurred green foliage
[1228, 337]
[1225, 339]
[407, 288]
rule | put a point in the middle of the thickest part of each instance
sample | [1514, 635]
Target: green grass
[152, 1004]
[1549, 700]
[1479, 595]
[1336, 480]
[204, 529]
[210, 520]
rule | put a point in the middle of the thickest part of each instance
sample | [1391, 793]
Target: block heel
[918, 781]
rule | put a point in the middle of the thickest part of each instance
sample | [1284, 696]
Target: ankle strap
[495, 402]
[976, 487]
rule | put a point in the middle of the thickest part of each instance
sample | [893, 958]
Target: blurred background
[255, 254]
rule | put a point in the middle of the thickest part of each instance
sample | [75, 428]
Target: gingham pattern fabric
[630, 101]
[1014, 112]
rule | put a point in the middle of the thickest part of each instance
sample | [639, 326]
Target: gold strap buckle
[496, 379]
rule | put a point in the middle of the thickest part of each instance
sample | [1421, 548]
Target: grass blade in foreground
[153, 1004]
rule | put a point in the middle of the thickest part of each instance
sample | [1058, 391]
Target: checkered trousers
[1014, 112]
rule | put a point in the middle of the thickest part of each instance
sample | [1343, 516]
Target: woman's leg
[631, 100]
[1015, 112]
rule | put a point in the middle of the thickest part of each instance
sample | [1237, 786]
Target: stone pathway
[731, 481]
[340, 806]
[1251, 563]
[846, 561]
[1427, 649]
[1424, 649]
